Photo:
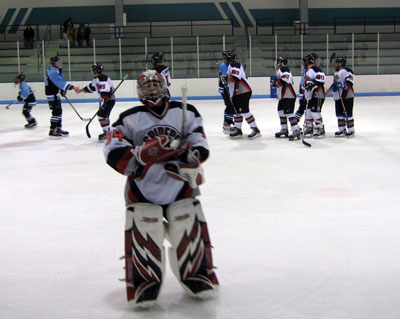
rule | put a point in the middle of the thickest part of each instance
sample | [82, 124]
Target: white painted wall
[209, 87]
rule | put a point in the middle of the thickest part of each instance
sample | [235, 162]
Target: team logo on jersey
[161, 130]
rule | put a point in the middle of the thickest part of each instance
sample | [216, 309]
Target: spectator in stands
[71, 35]
[83, 35]
[29, 35]
[66, 24]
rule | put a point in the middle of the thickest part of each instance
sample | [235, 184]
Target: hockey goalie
[160, 146]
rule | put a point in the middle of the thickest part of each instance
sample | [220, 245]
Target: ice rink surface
[299, 233]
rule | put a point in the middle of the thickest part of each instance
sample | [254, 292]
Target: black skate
[62, 132]
[308, 131]
[283, 132]
[237, 133]
[340, 133]
[102, 137]
[350, 134]
[254, 134]
[31, 124]
[319, 132]
[54, 133]
[296, 135]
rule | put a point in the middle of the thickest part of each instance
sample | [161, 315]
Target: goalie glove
[189, 171]
[158, 149]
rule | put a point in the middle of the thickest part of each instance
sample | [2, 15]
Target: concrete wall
[208, 88]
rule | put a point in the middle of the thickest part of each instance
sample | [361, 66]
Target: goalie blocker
[190, 256]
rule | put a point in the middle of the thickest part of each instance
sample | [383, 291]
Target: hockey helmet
[230, 56]
[97, 68]
[281, 61]
[158, 57]
[340, 61]
[20, 78]
[54, 60]
[309, 59]
[151, 89]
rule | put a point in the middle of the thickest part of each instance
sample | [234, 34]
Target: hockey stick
[91, 119]
[82, 118]
[304, 127]
[184, 110]
[8, 106]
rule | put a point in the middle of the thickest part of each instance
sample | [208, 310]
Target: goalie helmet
[151, 89]
[54, 60]
[281, 61]
[20, 78]
[157, 58]
[230, 56]
[97, 68]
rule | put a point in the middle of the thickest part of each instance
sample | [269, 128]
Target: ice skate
[350, 134]
[236, 134]
[296, 135]
[228, 128]
[31, 124]
[54, 133]
[340, 133]
[319, 132]
[102, 137]
[254, 134]
[308, 132]
[283, 132]
[62, 132]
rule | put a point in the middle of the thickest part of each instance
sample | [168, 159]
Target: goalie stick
[82, 118]
[91, 119]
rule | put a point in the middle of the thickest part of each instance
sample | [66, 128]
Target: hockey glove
[19, 98]
[63, 93]
[274, 83]
[310, 85]
[189, 171]
[158, 149]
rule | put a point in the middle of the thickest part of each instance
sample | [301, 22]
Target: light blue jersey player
[26, 94]
[55, 84]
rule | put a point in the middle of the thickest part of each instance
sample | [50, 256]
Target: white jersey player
[160, 147]
[287, 98]
[343, 94]
[314, 93]
[103, 85]
[240, 92]
[158, 65]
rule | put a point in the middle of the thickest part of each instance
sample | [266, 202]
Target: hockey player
[158, 65]
[287, 99]
[228, 125]
[25, 94]
[104, 86]
[54, 85]
[240, 92]
[314, 93]
[160, 149]
[343, 94]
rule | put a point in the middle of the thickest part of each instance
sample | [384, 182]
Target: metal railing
[196, 57]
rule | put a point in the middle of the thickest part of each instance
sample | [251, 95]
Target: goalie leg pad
[144, 253]
[190, 255]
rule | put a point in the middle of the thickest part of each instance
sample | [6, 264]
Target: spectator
[83, 35]
[29, 35]
[66, 24]
[71, 35]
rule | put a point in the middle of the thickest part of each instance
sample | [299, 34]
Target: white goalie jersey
[138, 125]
